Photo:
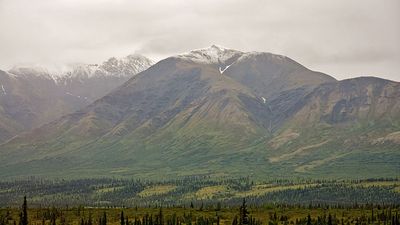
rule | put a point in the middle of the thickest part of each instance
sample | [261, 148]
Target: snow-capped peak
[113, 67]
[129, 65]
[214, 54]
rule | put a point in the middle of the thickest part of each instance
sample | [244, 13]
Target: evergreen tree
[243, 214]
[90, 220]
[53, 218]
[218, 208]
[372, 216]
[235, 221]
[330, 219]
[160, 217]
[104, 219]
[20, 218]
[122, 218]
[24, 213]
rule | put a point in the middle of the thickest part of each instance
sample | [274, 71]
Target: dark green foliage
[104, 219]
[244, 218]
[273, 215]
[23, 216]
[235, 221]
[243, 214]
[90, 192]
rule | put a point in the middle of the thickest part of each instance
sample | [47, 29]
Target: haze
[342, 38]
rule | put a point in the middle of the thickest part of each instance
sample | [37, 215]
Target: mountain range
[220, 112]
[32, 96]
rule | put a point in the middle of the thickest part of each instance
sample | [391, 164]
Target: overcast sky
[344, 38]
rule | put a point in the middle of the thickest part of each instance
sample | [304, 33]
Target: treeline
[376, 215]
[108, 192]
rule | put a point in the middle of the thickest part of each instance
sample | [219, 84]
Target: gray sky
[344, 38]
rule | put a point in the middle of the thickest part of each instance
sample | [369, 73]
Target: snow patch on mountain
[264, 99]
[214, 55]
[224, 58]
[113, 67]
[221, 71]
[76, 96]
[3, 89]
[247, 55]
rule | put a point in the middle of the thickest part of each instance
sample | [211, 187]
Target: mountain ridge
[32, 96]
[264, 114]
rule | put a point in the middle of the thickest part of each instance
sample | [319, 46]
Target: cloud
[346, 38]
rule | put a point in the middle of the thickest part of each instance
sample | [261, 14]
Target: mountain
[221, 112]
[348, 128]
[31, 96]
[93, 81]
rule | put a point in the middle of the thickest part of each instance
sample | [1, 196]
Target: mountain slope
[344, 127]
[220, 112]
[25, 102]
[31, 96]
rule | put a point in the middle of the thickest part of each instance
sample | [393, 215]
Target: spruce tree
[90, 220]
[122, 218]
[330, 219]
[235, 221]
[104, 220]
[53, 218]
[24, 213]
[161, 217]
[20, 218]
[243, 214]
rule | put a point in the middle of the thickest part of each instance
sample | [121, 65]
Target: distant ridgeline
[199, 191]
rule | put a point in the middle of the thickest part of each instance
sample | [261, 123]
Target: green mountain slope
[343, 128]
[221, 112]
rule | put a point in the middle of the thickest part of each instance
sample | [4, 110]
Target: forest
[242, 214]
[198, 190]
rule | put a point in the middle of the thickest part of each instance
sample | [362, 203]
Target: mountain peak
[217, 47]
[211, 55]
[113, 67]
[183, 112]
[126, 66]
